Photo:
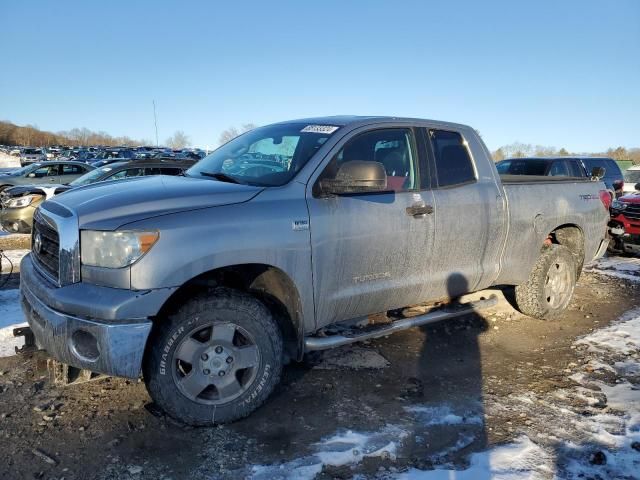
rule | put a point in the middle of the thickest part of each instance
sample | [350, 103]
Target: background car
[44, 172]
[19, 203]
[32, 155]
[565, 167]
[631, 178]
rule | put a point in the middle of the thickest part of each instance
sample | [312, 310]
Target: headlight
[20, 202]
[114, 249]
[618, 205]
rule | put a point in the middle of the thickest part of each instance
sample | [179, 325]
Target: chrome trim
[69, 238]
[332, 341]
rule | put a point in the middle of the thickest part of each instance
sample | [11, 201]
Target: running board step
[331, 341]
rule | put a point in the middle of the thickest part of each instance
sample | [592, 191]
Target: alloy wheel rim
[558, 286]
[216, 363]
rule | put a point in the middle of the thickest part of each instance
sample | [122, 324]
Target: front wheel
[549, 289]
[215, 360]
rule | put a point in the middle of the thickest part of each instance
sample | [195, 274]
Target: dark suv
[564, 167]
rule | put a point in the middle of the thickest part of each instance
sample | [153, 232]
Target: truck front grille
[46, 250]
[632, 211]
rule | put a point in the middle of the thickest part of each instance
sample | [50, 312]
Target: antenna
[155, 121]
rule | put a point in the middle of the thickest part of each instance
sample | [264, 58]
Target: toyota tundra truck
[287, 240]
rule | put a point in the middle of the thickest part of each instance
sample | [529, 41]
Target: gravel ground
[488, 391]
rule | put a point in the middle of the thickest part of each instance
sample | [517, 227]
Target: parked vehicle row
[30, 155]
[18, 203]
[290, 229]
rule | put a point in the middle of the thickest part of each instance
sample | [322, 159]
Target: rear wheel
[549, 289]
[215, 360]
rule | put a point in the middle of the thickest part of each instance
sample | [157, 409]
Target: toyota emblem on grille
[37, 243]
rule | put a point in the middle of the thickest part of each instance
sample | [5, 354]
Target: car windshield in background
[523, 167]
[31, 151]
[91, 177]
[632, 176]
[266, 156]
[25, 170]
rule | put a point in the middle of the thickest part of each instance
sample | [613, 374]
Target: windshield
[91, 177]
[25, 170]
[266, 156]
[632, 176]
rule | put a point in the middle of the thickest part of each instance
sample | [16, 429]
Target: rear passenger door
[469, 216]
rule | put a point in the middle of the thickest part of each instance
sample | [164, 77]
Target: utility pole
[155, 121]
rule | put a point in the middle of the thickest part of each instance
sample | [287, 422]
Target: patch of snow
[519, 460]
[620, 267]
[15, 256]
[10, 317]
[9, 161]
[443, 415]
[346, 448]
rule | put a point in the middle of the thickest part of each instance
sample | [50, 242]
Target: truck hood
[109, 205]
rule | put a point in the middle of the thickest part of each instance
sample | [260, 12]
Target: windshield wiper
[223, 177]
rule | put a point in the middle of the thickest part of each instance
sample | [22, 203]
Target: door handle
[419, 210]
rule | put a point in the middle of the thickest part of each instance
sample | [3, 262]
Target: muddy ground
[107, 429]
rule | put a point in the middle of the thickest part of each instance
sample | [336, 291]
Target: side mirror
[637, 186]
[32, 175]
[356, 176]
[597, 172]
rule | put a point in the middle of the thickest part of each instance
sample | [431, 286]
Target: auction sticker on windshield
[319, 129]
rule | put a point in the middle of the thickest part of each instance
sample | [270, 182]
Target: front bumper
[65, 324]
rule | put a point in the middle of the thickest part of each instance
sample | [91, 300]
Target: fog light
[15, 226]
[85, 345]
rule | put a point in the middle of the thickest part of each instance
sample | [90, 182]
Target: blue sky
[559, 73]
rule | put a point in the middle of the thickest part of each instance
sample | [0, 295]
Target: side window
[390, 147]
[72, 170]
[48, 171]
[452, 161]
[152, 171]
[575, 169]
[132, 172]
[559, 169]
[503, 167]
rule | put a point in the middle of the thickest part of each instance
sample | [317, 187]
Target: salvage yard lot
[496, 395]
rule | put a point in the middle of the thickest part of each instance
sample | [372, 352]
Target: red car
[624, 226]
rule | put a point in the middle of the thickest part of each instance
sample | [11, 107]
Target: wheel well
[570, 236]
[270, 284]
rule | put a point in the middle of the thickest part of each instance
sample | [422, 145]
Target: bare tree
[178, 140]
[498, 155]
[232, 132]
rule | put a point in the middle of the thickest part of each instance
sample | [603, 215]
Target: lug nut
[221, 373]
[218, 349]
[229, 359]
[206, 371]
[205, 357]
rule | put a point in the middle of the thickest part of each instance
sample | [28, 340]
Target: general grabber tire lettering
[215, 360]
[549, 289]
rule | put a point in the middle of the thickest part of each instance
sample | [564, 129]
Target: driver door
[369, 249]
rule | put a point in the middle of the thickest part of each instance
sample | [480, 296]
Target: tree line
[519, 150]
[30, 135]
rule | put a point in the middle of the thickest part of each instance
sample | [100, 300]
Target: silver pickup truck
[286, 240]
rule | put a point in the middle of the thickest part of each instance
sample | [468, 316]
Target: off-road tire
[221, 306]
[531, 297]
